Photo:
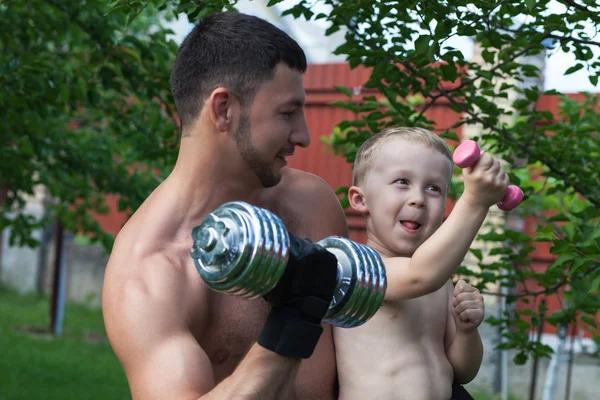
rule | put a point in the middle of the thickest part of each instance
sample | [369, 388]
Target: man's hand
[467, 308]
[311, 272]
[485, 182]
[300, 300]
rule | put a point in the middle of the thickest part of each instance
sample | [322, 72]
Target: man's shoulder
[311, 199]
[146, 282]
[305, 183]
[304, 189]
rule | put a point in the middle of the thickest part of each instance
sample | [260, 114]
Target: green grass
[77, 365]
[485, 395]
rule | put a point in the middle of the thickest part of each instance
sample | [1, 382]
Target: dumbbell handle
[467, 154]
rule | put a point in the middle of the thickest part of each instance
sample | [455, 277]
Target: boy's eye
[434, 188]
[401, 181]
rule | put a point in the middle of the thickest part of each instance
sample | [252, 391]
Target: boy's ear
[357, 200]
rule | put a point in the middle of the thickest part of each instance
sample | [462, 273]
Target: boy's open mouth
[411, 225]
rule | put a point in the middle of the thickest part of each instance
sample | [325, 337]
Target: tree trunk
[56, 300]
[3, 194]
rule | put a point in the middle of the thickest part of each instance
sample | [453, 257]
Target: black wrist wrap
[300, 301]
[290, 336]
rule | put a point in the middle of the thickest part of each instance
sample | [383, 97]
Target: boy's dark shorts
[460, 393]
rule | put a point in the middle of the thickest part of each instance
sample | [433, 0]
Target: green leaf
[433, 51]
[131, 53]
[558, 218]
[422, 44]
[545, 234]
[573, 69]
[117, 9]
[530, 4]
[488, 56]
[578, 263]
[477, 253]
[522, 325]
[562, 259]
[449, 72]
[520, 358]
[589, 320]
[595, 284]
[343, 90]
[450, 135]
[342, 190]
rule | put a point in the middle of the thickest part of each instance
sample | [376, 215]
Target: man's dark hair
[232, 50]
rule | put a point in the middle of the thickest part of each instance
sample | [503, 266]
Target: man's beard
[262, 169]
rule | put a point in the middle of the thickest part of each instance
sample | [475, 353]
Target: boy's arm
[438, 258]
[465, 348]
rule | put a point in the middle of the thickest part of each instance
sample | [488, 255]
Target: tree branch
[427, 106]
[580, 7]
[572, 39]
[468, 82]
[550, 35]
[505, 135]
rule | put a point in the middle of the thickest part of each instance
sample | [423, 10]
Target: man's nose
[300, 136]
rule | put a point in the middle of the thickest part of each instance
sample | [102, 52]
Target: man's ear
[357, 199]
[220, 105]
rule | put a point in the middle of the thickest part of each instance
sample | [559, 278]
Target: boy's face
[405, 196]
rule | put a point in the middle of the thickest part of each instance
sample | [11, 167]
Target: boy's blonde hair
[368, 150]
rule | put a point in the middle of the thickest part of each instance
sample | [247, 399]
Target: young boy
[424, 338]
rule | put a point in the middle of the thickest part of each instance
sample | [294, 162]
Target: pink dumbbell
[467, 154]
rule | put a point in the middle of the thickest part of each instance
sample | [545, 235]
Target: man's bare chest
[291, 219]
[232, 326]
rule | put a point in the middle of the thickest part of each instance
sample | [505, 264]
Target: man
[237, 84]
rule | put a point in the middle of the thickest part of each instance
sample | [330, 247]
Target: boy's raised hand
[485, 182]
[467, 307]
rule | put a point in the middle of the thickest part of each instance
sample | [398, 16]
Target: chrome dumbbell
[243, 250]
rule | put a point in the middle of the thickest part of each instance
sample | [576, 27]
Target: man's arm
[147, 321]
[438, 258]
[464, 346]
